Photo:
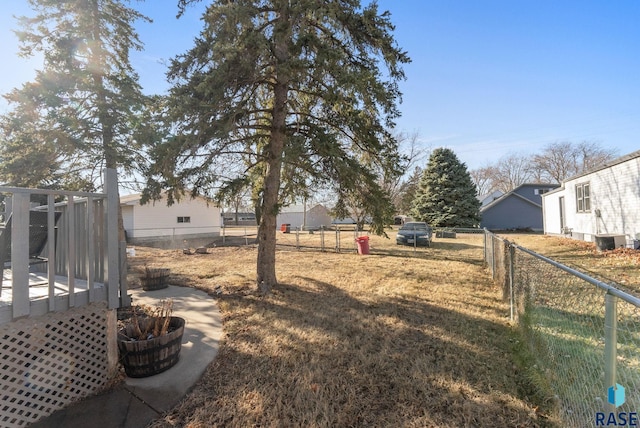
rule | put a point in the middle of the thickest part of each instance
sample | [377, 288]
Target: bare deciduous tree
[483, 178]
[555, 163]
[511, 171]
[563, 159]
[592, 155]
[412, 155]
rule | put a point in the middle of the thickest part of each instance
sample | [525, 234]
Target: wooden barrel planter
[143, 358]
[155, 279]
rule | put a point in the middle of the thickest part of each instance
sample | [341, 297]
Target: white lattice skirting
[50, 361]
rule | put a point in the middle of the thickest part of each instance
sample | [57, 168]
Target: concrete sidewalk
[137, 402]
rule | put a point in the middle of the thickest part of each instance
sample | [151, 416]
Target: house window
[184, 219]
[540, 191]
[583, 197]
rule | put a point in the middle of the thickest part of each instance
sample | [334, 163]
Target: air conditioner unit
[610, 242]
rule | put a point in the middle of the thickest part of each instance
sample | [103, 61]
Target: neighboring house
[602, 201]
[239, 219]
[195, 220]
[519, 209]
[489, 197]
[313, 218]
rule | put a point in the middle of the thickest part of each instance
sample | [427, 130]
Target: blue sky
[488, 78]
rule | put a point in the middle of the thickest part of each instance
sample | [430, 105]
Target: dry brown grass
[618, 266]
[395, 338]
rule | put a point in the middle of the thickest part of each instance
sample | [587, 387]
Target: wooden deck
[39, 293]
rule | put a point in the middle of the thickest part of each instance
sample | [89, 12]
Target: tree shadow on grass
[313, 354]
[459, 252]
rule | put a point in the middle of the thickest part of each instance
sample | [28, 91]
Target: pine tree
[288, 96]
[27, 157]
[446, 195]
[84, 106]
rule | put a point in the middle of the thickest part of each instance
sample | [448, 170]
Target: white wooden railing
[82, 245]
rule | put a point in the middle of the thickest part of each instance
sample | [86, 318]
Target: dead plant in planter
[153, 323]
[151, 344]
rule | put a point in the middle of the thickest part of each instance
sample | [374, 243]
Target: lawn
[566, 319]
[618, 266]
[396, 338]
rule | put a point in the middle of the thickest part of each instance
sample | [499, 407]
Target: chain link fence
[338, 238]
[584, 333]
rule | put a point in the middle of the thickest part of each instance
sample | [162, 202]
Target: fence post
[322, 238]
[610, 343]
[20, 255]
[71, 250]
[484, 248]
[512, 275]
[125, 299]
[298, 238]
[493, 258]
[51, 251]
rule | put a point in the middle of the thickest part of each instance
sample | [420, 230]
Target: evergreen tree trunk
[266, 266]
[105, 117]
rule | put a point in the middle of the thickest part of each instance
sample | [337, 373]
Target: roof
[507, 196]
[127, 199]
[617, 161]
[133, 198]
[487, 198]
[513, 193]
[495, 193]
[298, 208]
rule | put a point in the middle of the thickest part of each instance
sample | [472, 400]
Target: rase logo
[615, 396]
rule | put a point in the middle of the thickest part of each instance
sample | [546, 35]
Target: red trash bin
[363, 244]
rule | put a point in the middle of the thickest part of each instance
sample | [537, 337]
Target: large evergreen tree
[446, 196]
[83, 109]
[290, 96]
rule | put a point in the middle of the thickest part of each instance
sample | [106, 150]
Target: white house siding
[127, 217]
[157, 223]
[551, 210]
[614, 193]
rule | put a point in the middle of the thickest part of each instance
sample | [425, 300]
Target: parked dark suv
[414, 233]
